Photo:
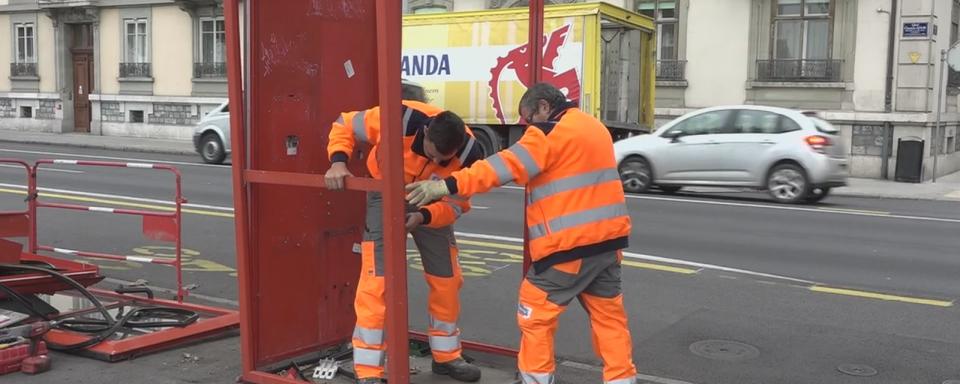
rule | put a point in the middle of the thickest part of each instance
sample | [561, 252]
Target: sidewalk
[946, 187]
[132, 144]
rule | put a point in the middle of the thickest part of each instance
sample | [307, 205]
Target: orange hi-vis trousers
[595, 282]
[438, 250]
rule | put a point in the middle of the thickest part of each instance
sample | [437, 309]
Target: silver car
[794, 156]
[211, 136]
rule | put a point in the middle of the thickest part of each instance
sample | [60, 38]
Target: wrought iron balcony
[672, 70]
[134, 70]
[799, 70]
[23, 69]
[215, 70]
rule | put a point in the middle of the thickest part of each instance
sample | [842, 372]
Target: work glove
[425, 192]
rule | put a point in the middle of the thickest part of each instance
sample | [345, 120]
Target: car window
[788, 125]
[226, 108]
[824, 126]
[752, 121]
[704, 123]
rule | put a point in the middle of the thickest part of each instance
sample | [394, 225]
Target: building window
[802, 42]
[136, 49]
[25, 50]
[666, 14]
[213, 52]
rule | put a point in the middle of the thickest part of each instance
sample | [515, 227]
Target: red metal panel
[15, 224]
[160, 228]
[308, 60]
[389, 15]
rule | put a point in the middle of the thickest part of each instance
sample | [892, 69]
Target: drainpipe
[888, 93]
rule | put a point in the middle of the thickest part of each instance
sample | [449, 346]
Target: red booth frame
[252, 182]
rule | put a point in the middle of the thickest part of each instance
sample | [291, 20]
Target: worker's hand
[335, 175]
[414, 220]
[425, 192]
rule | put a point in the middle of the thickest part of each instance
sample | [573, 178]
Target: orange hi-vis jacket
[575, 202]
[364, 126]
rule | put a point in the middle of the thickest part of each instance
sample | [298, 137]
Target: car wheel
[635, 174]
[211, 149]
[669, 189]
[817, 194]
[787, 183]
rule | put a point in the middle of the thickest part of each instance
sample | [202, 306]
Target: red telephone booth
[297, 65]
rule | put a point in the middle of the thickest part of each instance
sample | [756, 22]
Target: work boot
[371, 380]
[458, 369]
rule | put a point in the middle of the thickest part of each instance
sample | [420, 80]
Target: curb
[118, 147]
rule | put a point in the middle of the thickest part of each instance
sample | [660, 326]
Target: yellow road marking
[635, 264]
[121, 203]
[880, 296]
[659, 267]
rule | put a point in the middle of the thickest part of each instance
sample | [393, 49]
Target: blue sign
[916, 29]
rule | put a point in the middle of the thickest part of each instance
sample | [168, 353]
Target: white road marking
[782, 208]
[659, 259]
[45, 170]
[125, 159]
[121, 197]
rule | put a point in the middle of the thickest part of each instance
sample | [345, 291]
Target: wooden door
[82, 82]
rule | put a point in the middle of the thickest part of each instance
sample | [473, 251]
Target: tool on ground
[326, 369]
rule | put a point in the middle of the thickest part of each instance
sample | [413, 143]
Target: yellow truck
[474, 63]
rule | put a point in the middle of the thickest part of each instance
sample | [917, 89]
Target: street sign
[916, 29]
[953, 57]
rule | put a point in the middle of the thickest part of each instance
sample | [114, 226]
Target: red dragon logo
[518, 60]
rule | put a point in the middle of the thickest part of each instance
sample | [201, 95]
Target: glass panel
[221, 52]
[647, 7]
[131, 47]
[704, 124]
[668, 41]
[818, 36]
[21, 49]
[789, 7]
[131, 28]
[818, 7]
[749, 121]
[29, 30]
[220, 26]
[788, 39]
[206, 45]
[142, 27]
[142, 48]
[29, 44]
[206, 25]
[668, 9]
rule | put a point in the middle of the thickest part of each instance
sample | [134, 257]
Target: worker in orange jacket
[436, 143]
[577, 223]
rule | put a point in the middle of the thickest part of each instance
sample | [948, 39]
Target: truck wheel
[489, 141]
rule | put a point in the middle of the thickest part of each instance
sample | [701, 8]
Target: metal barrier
[161, 226]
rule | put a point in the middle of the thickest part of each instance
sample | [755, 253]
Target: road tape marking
[880, 296]
[224, 167]
[140, 259]
[659, 267]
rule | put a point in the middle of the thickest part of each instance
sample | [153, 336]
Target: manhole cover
[857, 370]
[724, 350]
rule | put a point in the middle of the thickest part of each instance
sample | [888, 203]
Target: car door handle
[768, 142]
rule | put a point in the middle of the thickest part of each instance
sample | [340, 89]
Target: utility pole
[935, 140]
